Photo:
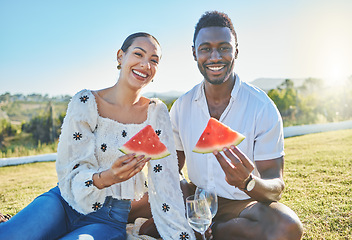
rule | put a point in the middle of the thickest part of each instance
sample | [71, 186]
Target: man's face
[215, 52]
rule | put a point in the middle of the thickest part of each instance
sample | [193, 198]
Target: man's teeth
[139, 73]
[216, 68]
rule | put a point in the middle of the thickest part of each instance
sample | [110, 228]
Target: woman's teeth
[139, 73]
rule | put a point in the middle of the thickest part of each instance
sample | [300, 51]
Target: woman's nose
[146, 64]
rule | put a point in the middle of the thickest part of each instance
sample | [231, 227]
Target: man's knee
[289, 226]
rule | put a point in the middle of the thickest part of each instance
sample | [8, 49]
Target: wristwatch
[250, 184]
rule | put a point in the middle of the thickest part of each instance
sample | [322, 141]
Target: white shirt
[250, 112]
[89, 143]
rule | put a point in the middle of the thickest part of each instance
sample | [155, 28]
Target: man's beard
[221, 80]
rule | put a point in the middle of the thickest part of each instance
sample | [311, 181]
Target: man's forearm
[266, 190]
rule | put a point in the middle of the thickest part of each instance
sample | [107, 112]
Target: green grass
[318, 179]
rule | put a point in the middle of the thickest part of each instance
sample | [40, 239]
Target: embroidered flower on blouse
[84, 98]
[96, 206]
[103, 147]
[124, 133]
[184, 236]
[145, 184]
[88, 183]
[158, 168]
[76, 166]
[165, 207]
[158, 132]
[152, 101]
[77, 136]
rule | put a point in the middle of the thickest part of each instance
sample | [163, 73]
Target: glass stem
[203, 236]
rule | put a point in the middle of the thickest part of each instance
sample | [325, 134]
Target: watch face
[250, 185]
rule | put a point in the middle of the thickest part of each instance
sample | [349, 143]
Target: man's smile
[215, 68]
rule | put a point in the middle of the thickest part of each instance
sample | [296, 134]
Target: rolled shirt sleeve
[269, 137]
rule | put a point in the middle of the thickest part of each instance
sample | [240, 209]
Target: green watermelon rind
[161, 155]
[220, 147]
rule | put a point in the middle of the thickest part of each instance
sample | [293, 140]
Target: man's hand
[238, 169]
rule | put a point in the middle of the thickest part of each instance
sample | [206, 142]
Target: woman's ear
[120, 54]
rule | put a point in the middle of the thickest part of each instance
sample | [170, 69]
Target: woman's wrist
[101, 180]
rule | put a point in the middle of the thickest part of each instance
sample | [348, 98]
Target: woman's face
[140, 62]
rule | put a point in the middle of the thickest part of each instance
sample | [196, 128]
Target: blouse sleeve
[164, 190]
[76, 162]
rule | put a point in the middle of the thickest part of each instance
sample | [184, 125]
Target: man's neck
[218, 96]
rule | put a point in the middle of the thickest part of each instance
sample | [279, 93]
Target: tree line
[313, 102]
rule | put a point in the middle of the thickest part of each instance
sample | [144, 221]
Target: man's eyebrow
[208, 43]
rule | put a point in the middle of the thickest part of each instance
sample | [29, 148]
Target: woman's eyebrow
[154, 55]
[141, 49]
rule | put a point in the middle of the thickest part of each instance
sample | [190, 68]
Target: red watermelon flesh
[146, 142]
[216, 136]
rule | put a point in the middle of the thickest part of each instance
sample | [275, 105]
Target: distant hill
[267, 84]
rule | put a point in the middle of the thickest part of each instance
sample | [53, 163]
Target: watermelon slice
[146, 142]
[216, 136]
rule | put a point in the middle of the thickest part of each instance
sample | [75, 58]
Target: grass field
[318, 177]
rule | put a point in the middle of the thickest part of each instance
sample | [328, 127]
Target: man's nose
[215, 55]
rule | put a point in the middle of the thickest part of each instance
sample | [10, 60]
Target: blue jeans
[50, 217]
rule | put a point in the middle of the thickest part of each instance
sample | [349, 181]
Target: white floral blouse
[89, 143]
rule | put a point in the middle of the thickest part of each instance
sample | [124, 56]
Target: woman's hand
[121, 170]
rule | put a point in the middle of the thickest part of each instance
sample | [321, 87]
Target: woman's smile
[139, 74]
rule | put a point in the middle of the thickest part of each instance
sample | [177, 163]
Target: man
[248, 178]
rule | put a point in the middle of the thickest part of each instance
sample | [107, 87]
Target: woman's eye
[155, 61]
[138, 54]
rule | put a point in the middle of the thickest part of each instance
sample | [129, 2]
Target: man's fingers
[223, 162]
[233, 157]
[244, 159]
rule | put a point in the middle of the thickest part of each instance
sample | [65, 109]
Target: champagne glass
[198, 214]
[210, 195]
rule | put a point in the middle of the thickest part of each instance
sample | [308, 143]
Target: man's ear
[194, 53]
[236, 53]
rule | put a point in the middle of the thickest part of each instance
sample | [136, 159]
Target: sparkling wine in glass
[210, 195]
[198, 214]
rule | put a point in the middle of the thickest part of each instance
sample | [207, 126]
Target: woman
[96, 181]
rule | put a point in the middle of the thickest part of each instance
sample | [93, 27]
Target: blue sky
[60, 47]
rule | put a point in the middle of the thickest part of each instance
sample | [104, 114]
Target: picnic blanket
[133, 230]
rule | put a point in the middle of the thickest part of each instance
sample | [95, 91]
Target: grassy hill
[317, 174]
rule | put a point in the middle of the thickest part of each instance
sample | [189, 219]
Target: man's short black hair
[214, 19]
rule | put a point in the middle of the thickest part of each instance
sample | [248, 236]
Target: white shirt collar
[200, 91]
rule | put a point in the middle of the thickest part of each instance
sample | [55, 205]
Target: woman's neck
[122, 95]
